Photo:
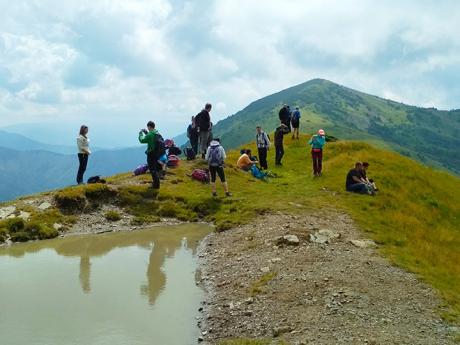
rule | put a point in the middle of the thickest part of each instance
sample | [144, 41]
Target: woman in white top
[83, 152]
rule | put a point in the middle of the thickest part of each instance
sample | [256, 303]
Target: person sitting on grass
[215, 156]
[245, 162]
[354, 183]
[369, 182]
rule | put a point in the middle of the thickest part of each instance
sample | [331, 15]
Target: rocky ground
[312, 280]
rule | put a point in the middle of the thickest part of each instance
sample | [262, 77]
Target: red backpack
[200, 175]
[173, 161]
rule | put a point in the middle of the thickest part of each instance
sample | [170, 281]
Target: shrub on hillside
[112, 216]
[98, 191]
[71, 199]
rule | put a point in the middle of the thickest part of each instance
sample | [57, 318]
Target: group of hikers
[160, 152]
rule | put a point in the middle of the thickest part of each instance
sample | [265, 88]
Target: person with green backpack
[155, 149]
[215, 156]
[317, 142]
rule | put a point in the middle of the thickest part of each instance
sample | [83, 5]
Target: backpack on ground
[190, 153]
[173, 161]
[160, 147]
[174, 150]
[141, 169]
[215, 156]
[200, 175]
[95, 179]
[255, 171]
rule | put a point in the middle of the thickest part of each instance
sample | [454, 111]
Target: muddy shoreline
[322, 290]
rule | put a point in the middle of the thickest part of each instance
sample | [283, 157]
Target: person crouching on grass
[215, 156]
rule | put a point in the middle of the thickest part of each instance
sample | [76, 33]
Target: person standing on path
[317, 142]
[192, 134]
[295, 122]
[203, 124]
[83, 152]
[263, 145]
[284, 115]
[215, 156]
[279, 147]
[155, 149]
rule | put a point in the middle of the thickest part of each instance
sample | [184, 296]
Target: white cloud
[125, 61]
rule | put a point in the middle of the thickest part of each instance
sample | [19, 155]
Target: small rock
[291, 240]
[324, 236]
[275, 260]
[7, 211]
[24, 215]
[57, 226]
[44, 206]
[277, 331]
[265, 269]
[363, 243]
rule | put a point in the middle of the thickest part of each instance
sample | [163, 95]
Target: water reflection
[163, 245]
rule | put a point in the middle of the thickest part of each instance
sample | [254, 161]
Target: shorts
[219, 171]
[295, 123]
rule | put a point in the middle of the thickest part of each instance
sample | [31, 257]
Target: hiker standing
[263, 145]
[284, 115]
[203, 124]
[192, 134]
[317, 142]
[155, 149]
[295, 122]
[215, 155]
[279, 147]
[83, 152]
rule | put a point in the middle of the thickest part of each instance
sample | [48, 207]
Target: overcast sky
[123, 62]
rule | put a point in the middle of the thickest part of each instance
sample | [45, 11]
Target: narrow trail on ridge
[322, 289]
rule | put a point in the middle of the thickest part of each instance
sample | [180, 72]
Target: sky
[115, 64]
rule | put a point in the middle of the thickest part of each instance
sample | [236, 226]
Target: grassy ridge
[415, 217]
[426, 134]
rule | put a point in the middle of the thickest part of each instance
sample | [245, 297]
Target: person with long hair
[83, 152]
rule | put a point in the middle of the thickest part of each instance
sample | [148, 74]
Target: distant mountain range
[429, 135]
[26, 172]
[22, 143]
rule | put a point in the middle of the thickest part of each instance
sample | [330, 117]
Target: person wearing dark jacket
[192, 135]
[203, 124]
[354, 183]
[280, 132]
[284, 114]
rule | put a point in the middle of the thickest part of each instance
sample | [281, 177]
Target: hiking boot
[228, 194]
[214, 194]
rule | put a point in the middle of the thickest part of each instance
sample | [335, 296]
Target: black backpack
[190, 153]
[160, 147]
[95, 179]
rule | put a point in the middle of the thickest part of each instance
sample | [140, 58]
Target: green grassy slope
[415, 218]
[428, 135]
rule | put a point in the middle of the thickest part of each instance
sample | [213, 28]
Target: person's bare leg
[225, 184]
[213, 187]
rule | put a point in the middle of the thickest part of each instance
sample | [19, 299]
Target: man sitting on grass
[354, 182]
[369, 182]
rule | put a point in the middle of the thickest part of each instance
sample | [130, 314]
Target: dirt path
[312, 293]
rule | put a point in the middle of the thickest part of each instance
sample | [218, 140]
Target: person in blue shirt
[295, 122]
[317, 142]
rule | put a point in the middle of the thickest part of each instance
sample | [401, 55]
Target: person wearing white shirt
[83, 152]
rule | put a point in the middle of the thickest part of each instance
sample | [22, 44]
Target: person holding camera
[155, 149]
